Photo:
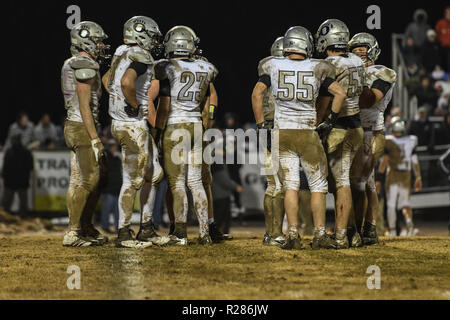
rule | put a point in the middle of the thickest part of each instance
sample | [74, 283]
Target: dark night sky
[234, 35]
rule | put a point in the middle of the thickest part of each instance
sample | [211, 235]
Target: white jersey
[351, 75]
[374, 117]
[400, 151]
[69, 87]
[294, 86]
[189, 82]
[124, 56]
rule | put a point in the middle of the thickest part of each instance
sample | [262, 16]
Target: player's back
[400, 151]
[350, 73]
[189, 82]
[295, 86]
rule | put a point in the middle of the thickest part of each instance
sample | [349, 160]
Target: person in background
[110, 194]
[430, 52]
[17, 169]
[23, 127]
[45, 131]
[443, 34]
[426, 94]
[411, 53]
[420, 127]
[222, 187]
[417, 30]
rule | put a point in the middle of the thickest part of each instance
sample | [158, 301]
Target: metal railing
[401, 97]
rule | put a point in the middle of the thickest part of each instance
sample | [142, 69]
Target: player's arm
[129, 88]
[153, 93]
[105, 80]
[258, 97]
[163, 110]
[209, 112]
[416, 169]
[334, 89]
[84, 89]
[372, 96]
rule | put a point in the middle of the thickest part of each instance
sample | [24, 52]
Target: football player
[81, 87]
[296, 82]
[346, 137]
[273, 198]
[208, 116]
[184, 93]
[129, 80]
[381, 81]
[399, 159]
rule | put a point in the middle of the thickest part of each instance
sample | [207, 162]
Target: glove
[97, 146]
[325, 127]
[132, 112]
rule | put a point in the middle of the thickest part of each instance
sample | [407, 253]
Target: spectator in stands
[442, 135]
[420, 127]
[430, 52]
[45, 132]
[438, 74]
[443, 107]
[445, 86]
[417, 30]
[426, 94]
[412, 56]
[443, 35]
[23, 127]
[60, 140]
[110, 193]
[17, 168]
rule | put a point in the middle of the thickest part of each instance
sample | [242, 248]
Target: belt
[350, 122]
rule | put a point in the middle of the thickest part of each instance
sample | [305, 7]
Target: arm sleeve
[265, 78]
[164, 88]
[382, 85]
[139, 67]
[324, 87]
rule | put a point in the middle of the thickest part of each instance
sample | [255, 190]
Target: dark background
[234, 35]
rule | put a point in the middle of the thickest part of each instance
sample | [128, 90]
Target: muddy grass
[35, 267]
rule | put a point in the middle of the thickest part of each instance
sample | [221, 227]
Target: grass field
[35, 267]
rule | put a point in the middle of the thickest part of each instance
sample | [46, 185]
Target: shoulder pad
[213, 69]
[262, 65]
[85, 74]
[202, 58]
[385, 74]
[138, 54]
[414, 139]
[82, 62]
[325, 69]
[389, 137]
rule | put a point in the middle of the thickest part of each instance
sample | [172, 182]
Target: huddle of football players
[326, 116]
[320, 99]
[182, 84]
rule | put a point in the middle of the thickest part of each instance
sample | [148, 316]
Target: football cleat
[175, 241]
[278, 241]
[227, 237]
[266, 239]
[293, 243]
[323, 242]
[125, 235]
[91, 233]
[215, 234]
[369, 235]
[205, 240]
[354, 238]
[341, 243]
[74, 239]
[147, 232]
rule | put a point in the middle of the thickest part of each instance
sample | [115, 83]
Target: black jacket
[17, 167]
